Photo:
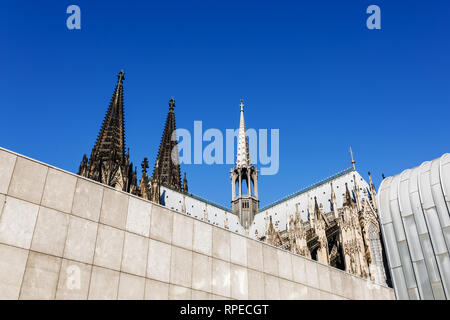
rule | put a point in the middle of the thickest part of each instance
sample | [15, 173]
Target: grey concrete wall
[66, 237]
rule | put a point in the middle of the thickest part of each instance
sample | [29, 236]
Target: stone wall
[66, 237]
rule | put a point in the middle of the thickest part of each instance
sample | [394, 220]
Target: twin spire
[109, 162]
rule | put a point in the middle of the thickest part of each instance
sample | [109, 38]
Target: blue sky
[308, 68]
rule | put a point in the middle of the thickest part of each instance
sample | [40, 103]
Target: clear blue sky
[309, 68]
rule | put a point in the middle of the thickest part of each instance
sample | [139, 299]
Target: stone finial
[121, 77]
[171, 103]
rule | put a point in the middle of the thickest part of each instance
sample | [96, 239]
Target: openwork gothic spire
[111, 138]
[109, 163]
[168, 169]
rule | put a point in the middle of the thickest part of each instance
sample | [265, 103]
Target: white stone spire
[243, 154]
[245, 204]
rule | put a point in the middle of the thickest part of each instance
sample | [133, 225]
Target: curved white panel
[439, 200]
[383, 200]
[445, 172]
[392, 252]
[422, 229]
[429, 208]
[412, 236]
[414, 212]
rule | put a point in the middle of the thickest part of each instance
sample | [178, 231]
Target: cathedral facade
[334, 221]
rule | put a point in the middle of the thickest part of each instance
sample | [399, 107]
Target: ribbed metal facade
[414, 209]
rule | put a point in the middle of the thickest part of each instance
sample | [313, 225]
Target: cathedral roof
[304, 200]
[311, 187]
[279, 210]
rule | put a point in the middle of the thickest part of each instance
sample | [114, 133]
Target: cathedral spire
[310, 210]
[243, 154]
[317, 212]
[109, 163]
[167, 167]
[333, 201]
[372, 186]
[111, 138]
[144, 185]
[357, 193]
[316, 209]
[348, 198]
[372, 191]
[245, 204]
